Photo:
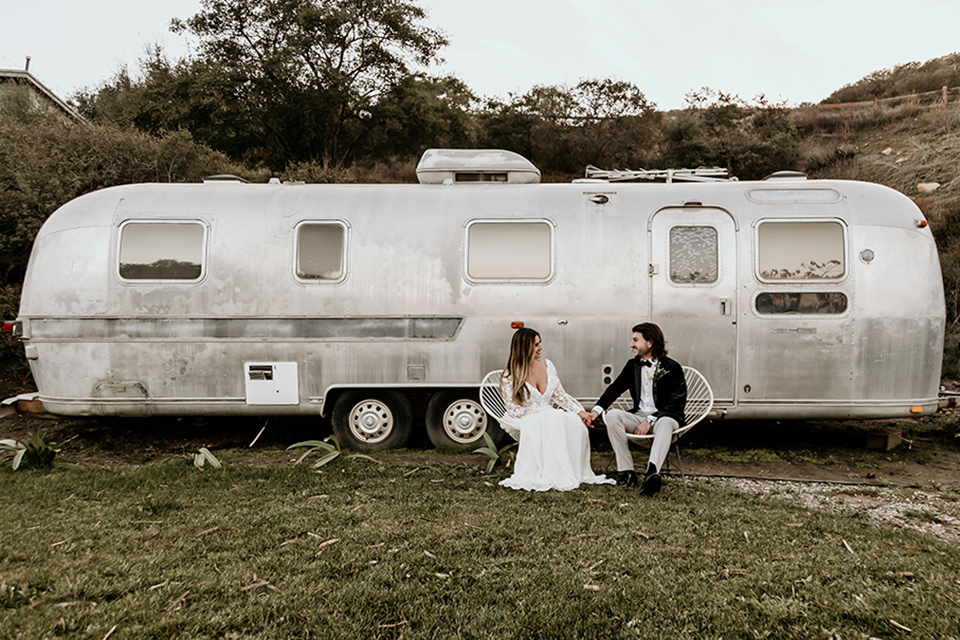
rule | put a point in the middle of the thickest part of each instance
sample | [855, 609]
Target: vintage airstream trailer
[795, 298]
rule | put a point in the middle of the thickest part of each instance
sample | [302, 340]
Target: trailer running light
[8, 327]
[916, 409]
[922, 223]
[516, 325]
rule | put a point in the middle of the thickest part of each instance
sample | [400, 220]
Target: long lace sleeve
[560, 397]
[514, 410]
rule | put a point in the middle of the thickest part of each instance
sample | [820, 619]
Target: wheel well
[418, 396]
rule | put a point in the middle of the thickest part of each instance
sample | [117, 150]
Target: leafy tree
[421, 112]
[605, 122]
[688, 143]
[718, 129]
[276, 81]
[506, 125]
[188, 95]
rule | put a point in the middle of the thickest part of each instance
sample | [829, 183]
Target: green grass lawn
[439, 551]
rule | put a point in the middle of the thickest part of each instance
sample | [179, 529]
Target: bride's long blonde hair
[523, 349]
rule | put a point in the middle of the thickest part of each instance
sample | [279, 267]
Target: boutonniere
[658, 373]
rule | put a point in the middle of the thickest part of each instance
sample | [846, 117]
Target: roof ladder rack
[701, 174]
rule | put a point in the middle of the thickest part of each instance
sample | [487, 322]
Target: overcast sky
[787, 50]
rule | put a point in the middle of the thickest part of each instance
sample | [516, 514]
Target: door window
[694, 255]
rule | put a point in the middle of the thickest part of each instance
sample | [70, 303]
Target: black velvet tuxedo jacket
[669, 388]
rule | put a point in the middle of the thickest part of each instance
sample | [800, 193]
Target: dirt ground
[928, 456]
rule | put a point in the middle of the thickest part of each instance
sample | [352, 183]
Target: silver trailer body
[795, 298]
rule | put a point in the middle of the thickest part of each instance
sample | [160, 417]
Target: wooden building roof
[39, 95]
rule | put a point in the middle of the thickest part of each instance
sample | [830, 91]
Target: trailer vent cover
[220, 179]
[484, 166]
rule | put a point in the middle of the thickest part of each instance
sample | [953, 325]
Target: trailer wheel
[456, 421]
[372, 420]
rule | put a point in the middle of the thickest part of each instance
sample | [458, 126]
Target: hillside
[901, 147]
[904, 79]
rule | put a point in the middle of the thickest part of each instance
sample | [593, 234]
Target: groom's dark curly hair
[652, 333]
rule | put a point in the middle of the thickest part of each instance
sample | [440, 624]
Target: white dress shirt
[646, 404]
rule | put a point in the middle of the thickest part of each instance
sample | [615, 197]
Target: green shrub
[15, 377]
[751, 141]
[36, 453]
[45, 162]
[496, 455]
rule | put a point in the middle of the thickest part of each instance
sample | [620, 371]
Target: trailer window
[773, 303]
[509, 251]
[693, 255]
[320, 251]
[811, 250]
[161, 250]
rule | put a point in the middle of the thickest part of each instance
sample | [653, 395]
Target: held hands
[588, 418]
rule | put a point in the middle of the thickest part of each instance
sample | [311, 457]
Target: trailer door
[693, 289]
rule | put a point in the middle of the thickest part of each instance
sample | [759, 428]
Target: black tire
[372, 420]
[456, 421]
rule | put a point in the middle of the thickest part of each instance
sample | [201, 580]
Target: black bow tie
[645, 363]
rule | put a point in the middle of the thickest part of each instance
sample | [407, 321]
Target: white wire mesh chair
[699, 404]
[491, 399]
[492, 402]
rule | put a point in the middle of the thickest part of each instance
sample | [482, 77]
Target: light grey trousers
[619, 423]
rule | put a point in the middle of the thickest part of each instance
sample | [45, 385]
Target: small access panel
[271, 383]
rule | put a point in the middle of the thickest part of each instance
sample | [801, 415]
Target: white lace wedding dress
[554, 451]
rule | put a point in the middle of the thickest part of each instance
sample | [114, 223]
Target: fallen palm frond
[203, 456]
[330, 446]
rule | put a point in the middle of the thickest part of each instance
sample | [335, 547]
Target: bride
[554, 450]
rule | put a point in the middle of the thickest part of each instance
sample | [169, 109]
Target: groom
[659, 392]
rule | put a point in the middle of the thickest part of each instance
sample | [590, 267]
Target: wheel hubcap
[464, 421]
[371, 421]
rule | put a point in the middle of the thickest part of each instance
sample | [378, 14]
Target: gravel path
[935, 513]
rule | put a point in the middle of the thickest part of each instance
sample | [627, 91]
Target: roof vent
[449, 166]
[225, 178]
[786, 175]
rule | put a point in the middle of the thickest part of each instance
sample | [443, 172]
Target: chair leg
[676, 450]
[609, 462]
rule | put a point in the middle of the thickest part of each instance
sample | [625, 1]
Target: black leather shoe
[651, 482]
[627, 479]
